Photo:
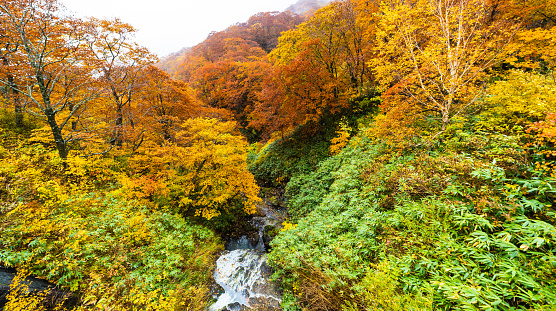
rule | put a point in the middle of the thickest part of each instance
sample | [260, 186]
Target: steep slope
[260, 32]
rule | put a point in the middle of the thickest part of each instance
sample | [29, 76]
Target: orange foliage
[231, 85]
[48, 54]
[395, 124]
[228, 68]
[317, 67]
[120, 62]
[164, 104]
[545, 134]
[297, 93]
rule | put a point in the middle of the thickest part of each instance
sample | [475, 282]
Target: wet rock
[248, 240]
[264, 304]
[274, 197]
[215, 290]
[245, 242]
[236, 306]
[273, 200]
[242, 270]
[269, 233]
[245, 276]
[54, 296]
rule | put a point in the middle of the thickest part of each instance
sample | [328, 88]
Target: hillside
[261, 30]
[303, 7]
[171, 62]
[390, 156]
[271, 25]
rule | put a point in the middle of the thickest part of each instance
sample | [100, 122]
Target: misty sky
[166, 26]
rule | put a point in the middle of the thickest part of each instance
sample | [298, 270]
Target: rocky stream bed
[242, 271]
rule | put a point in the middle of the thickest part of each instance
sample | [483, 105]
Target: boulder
[53, 297]
[269, 233]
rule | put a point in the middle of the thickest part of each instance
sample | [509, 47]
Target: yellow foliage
[524, 103]
[533, 45]
[395, 125]
[379, 292]
[204, 171]
[287, 226]
[42, 135]
[518, 100]
[20, 298]
[342, 138]
[436, 52]
[544, 139]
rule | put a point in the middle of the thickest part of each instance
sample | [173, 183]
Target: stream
[243, 273]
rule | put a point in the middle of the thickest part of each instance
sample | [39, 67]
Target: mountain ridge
[306, 7]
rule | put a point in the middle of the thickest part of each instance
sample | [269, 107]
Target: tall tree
[317, 67]
[53, 66]
[8, 47]
[164, 104]
[119, 62]
[437, 51]
[231, 85]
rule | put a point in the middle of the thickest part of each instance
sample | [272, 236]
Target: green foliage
[465, 226]
[107, 248]
[306, 191]
[299, 153]
[71, 223]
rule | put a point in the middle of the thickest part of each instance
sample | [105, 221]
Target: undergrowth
[463, 225]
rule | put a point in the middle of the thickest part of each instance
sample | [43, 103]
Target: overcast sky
[166, 26]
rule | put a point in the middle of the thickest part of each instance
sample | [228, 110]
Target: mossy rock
[269, 233]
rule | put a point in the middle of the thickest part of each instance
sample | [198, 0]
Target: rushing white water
[243, 274]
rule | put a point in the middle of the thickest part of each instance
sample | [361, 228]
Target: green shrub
[110, 250]
[462, 231]
[299, 153]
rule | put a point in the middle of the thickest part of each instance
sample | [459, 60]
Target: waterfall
[243, 273]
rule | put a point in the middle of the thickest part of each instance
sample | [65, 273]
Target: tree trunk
[57, 134]
[117, 139]
[18, 111]
[16, 101]
[445, 119]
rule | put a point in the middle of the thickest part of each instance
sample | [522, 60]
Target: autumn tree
[316, 68]
[540, 13]
[215, 161]
[164, 104]
[261, 30]
[437, 51]
[266, 27]
[534, 46]
[8, 47]
[119, 62]
[231, 85]
[202, 173]
[52, 65]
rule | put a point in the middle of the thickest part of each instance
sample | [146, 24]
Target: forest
[411, 144]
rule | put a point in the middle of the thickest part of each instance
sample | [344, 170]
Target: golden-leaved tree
[436, 52]
[203, 173]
